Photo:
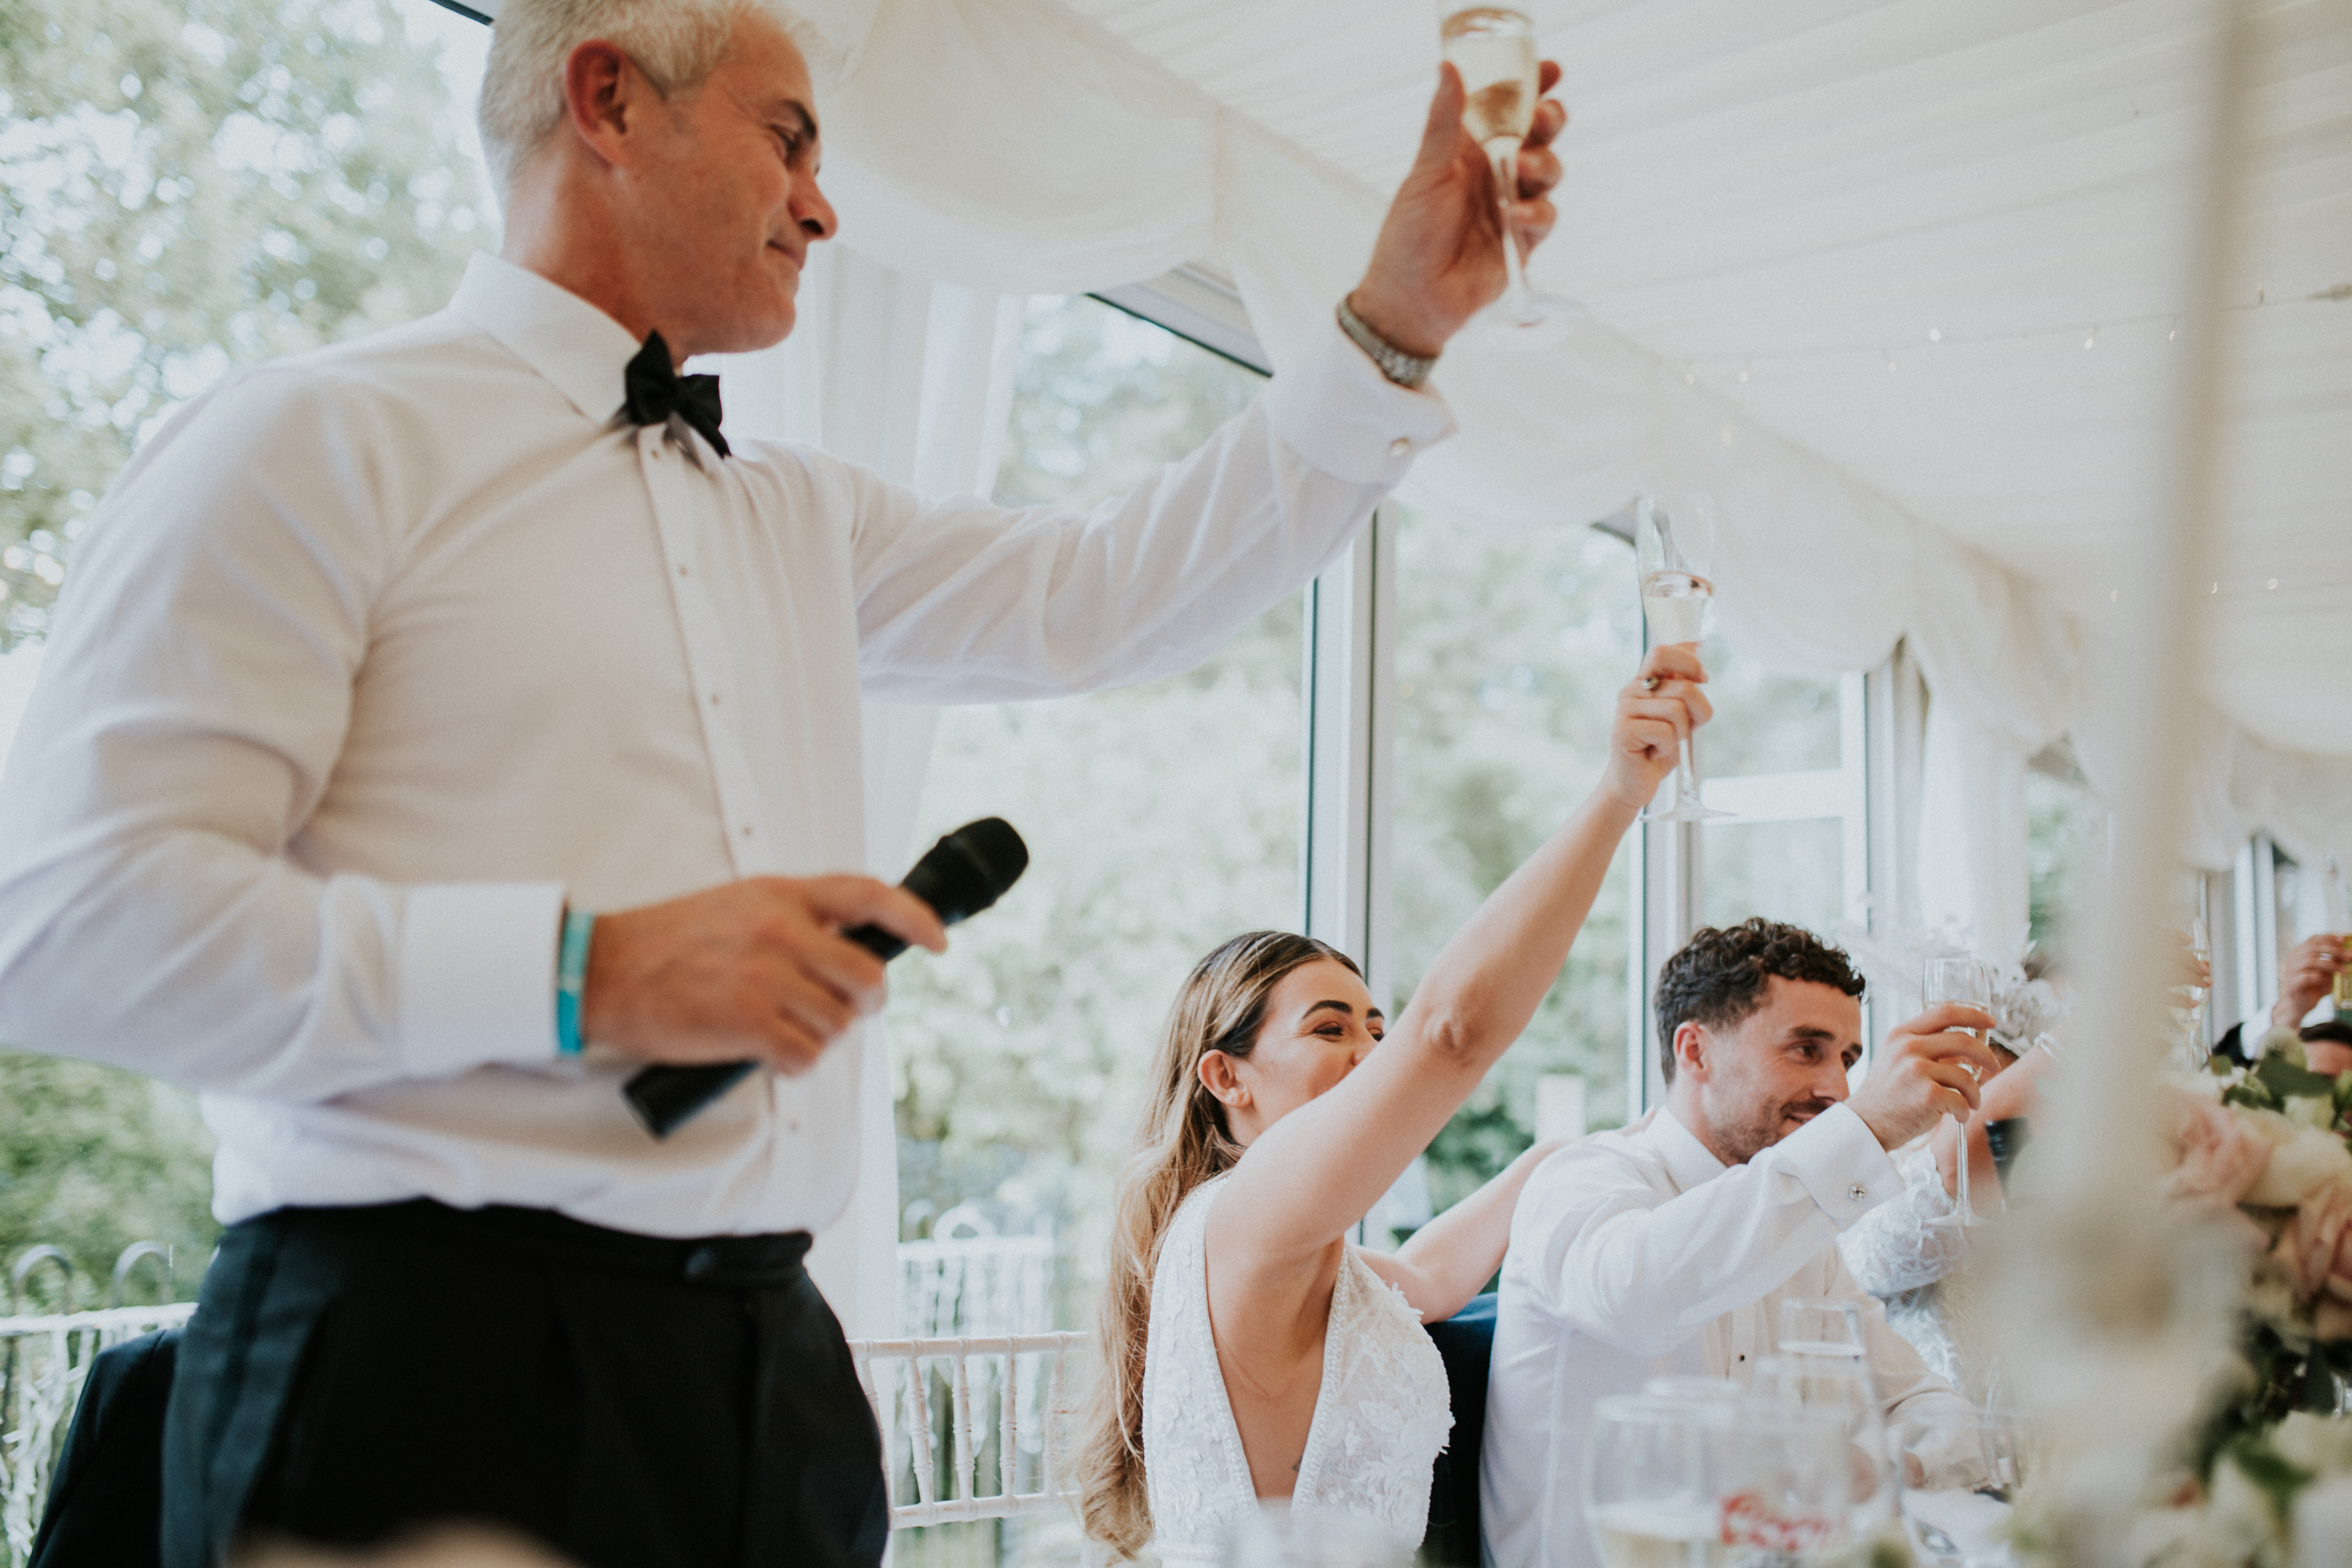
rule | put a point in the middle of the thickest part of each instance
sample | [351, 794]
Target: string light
[2088, 333]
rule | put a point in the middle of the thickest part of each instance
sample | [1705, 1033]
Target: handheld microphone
[961, 875]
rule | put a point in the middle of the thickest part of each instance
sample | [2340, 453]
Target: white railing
[44, 1361]
[984, 1286]
[954, 1412]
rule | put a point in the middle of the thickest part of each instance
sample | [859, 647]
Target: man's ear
[1691, 1045]
[604, 92]
[1220, 1076]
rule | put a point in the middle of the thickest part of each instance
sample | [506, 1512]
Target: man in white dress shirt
[440, 727]
[1669, 1248]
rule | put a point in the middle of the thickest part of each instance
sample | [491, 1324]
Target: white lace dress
[1381, 1416]
[1911, 1253]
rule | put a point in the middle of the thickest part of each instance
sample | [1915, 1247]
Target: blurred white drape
[914, 380]
[1082, 161]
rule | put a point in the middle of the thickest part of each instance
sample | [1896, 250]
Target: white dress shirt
[1640, 1254]
[375, 657]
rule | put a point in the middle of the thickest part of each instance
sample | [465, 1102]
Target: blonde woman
[1248, 1350]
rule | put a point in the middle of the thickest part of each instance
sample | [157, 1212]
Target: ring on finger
[1650, 683]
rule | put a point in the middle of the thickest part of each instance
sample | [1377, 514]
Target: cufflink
[1857, 1192]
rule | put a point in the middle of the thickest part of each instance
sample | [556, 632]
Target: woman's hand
[1655, 715]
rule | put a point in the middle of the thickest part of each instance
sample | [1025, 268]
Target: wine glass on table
[1493, 48]
[1967, 980]
[1841, 1386]
[1672, 536]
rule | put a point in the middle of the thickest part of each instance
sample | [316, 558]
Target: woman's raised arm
[1315, 1172]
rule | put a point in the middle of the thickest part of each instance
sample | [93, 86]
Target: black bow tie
[656, 391]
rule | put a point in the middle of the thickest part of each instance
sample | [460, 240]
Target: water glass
[1840, 1386]
[1823, 1326]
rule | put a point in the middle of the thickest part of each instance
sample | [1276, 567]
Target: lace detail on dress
[1902, 1252]
[1381, 1416]
[1911, 1241]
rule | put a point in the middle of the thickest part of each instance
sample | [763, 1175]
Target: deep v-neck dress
[1381, 1416]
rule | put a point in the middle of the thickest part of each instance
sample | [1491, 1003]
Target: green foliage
[93, 1159]
[1161, 819]
[1509, 655]
[187, 185]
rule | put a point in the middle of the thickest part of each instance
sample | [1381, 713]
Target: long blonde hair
[1180, 1141]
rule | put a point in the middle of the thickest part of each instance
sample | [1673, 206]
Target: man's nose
[814, 213]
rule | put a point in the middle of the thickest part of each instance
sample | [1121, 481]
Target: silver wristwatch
[1406, 370]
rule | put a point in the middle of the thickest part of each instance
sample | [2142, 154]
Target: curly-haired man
[1670, 1248]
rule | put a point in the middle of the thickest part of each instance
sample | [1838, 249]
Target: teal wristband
[570, 978]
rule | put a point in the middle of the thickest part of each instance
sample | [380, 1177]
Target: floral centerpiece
[2270, 1148]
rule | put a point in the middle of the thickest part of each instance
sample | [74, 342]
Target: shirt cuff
[1334, 409]
[477, 980]
[1838, 1159]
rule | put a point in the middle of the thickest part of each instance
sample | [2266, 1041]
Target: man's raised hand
[750, 971]
[1923, 1074]
[1439, 258]
[2305, 974]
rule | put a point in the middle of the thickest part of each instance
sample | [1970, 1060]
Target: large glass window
[1160, 819]
[1776, 756]
[1509, 655]
[186, 188]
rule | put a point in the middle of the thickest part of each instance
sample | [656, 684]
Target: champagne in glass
[2339, 920]
[1667, 536]
[2195, 1030]
[1493, 48]
[1968, 981]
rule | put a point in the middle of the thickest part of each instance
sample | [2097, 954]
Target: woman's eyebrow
[1336, 1005]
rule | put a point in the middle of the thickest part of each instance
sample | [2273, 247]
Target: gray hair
[676, 43]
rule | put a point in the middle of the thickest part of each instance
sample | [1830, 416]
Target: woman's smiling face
[1320, 1023]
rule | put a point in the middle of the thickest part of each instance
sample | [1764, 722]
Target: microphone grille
[992, 842]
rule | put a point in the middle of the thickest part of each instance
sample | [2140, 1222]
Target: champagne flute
[1968, 981]
[1823, 1326]
[1493, 48]
[2193, 1027]
[2339, 922]
[1668, 539]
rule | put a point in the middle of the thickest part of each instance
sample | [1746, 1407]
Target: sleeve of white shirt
[962, 601]
[191, 707]
[1642, 1270]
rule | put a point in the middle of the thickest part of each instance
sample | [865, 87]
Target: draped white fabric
[913, 379]
[1843, 260]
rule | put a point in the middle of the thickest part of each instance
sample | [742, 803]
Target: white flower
[2319, 1443]
[2313, 1111]
[2303, 1159]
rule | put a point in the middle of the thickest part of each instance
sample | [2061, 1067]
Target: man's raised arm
[1641, 1271]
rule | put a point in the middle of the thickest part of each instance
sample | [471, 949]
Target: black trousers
[353, 1373]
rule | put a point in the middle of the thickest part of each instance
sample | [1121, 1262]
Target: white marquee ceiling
[1807, 191]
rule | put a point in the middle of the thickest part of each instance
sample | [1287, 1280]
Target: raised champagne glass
[1671, 537]
[1969, 982]
[1493, 48]
[2340, 925]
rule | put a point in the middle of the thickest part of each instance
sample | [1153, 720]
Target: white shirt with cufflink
[1639, 1254]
